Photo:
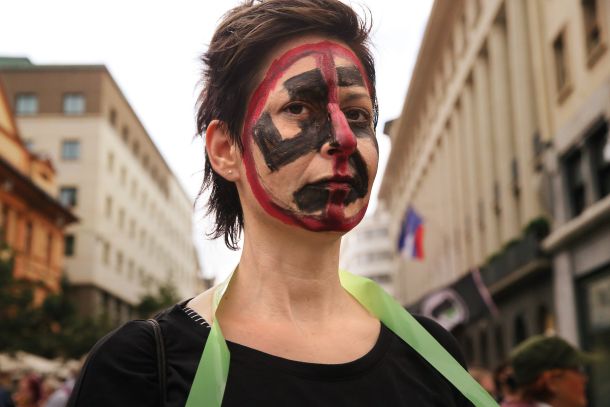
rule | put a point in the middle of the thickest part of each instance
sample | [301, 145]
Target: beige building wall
[483, 96]
[135, 231]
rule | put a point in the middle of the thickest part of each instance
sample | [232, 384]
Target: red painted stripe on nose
[344, 136]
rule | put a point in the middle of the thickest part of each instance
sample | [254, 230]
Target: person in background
[5, 395]
[29, 391]
[548, 371]
[485, 378]
[505, 383]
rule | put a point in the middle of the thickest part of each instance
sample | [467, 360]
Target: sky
[152, 50]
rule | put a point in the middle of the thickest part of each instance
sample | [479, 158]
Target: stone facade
[502, 146]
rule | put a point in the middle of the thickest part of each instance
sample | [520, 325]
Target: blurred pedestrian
[485, 378]
[29, 391]
[505, 383]
[6, 399]
[547, 370]
[59, 398]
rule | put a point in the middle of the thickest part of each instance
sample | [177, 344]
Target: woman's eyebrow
[354, 96]
[349, 76]
[308, 83]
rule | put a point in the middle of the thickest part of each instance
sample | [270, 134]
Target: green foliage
[539, 227]
[150, 304]
[53, 329]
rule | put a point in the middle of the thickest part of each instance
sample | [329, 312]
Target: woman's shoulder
[124, 362]
[442, 336]
[120, 364]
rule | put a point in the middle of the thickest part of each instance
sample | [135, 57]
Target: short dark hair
[232, 62]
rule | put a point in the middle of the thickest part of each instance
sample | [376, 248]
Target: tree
[150, 304]
[53, 329]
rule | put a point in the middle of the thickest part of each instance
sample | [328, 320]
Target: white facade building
[369, 251]
[135, 220]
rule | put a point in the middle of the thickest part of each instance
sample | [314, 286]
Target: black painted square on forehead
[311, 83]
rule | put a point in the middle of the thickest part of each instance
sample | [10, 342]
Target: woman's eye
[296, 109]
[357, 116]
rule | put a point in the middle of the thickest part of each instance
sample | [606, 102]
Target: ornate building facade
[32, 221]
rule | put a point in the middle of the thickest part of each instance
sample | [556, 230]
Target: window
[28, 238]
[499, 341]
[74, 103]
[575, 182]
[108, 209]
[70, 150]
[69, 245]
[593, 32]
[112, 117]
[106, 253]
[123, 176]
[599, 147]
[125, 133]
[134, 188]
[26, 104]
[121, 218]
[520, 330]
[561, 65]
[29, 145]
[68, 196]
[484, 348]
[4, 222]
[49, 248]
[132, 228]
[119, 262]
[130, 267]
[110, 161]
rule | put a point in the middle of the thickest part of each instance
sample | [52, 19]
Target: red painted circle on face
[333, 218]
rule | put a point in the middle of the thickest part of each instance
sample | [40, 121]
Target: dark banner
[467, 299]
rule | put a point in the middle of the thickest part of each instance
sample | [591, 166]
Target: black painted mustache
[315, 197]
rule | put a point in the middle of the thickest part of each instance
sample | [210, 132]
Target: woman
[288, 110]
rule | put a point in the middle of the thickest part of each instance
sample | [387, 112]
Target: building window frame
[562, 71]
[26, 104]
[70, 150]
[597, 144]
[594, 30]
[68, 196]
[74, 103]
[574, 181]
[69, 245]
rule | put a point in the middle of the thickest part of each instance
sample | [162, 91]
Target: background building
[32, 221]
[503, 138]
[135, 229]
[368, 250]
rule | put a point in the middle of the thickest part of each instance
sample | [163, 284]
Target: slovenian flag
[411, 241]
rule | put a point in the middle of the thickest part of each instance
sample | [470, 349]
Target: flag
[411, 240]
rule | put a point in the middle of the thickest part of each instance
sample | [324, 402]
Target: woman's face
[310, 152]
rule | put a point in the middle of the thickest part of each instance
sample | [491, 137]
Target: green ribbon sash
[210, 379]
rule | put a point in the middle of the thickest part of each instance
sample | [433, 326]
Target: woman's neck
[290, 277]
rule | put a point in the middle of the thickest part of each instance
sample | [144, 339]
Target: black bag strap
[161, 362]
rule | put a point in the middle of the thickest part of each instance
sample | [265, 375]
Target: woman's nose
[343, 141]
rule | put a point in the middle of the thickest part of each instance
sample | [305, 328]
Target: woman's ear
[223, 153]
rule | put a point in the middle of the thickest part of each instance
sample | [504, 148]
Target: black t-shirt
[122, 371]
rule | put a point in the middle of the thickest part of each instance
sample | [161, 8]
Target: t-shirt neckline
[259, 360]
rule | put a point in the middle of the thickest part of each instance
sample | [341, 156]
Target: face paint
[319, 204]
